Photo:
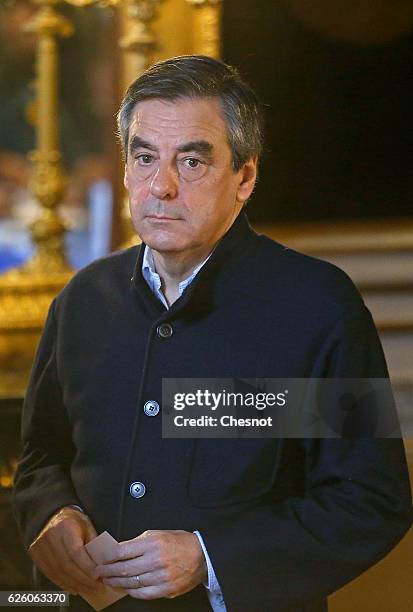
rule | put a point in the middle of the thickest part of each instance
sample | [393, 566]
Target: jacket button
[165, 330]
[151, 408]
[137, 489]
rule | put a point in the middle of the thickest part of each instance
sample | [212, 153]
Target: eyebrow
[139, 143]
[198, 146]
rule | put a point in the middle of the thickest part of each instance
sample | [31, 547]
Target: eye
[192, 168]
[144, 159]
[192, 162]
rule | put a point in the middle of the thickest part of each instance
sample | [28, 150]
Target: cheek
[138, 191]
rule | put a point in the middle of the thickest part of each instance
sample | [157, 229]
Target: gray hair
[199, 76]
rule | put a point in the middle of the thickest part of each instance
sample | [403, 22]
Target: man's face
[183, 192]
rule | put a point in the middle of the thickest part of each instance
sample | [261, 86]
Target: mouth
[162, 218]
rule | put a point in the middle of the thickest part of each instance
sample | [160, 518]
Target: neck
[173, 268]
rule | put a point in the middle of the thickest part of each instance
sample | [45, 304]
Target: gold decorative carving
[26, 292]
[47, 183]
[207, 27]
[24, 301]
[139, 37]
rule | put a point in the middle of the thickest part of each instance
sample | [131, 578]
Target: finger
[83, 560]
[152, 592]
[91, 532]
[145, 580]
[54, 577]
[74, 573]
[48, 564]
[129, 549]
[73, 542]
[79, 555]
[130, 582]
[57, 578]
[141, 565]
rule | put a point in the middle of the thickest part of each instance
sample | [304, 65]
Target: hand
[168, 563]
[59, 554]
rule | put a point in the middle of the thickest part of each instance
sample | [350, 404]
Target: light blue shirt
[153, 279]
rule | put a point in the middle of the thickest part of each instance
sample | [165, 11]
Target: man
[245, 524]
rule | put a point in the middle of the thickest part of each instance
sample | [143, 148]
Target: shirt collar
[153, 279]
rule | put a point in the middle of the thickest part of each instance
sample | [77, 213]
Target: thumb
[89, 532]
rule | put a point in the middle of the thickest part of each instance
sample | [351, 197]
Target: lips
[162, 218]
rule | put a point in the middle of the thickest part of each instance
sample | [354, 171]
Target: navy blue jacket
[285, 522]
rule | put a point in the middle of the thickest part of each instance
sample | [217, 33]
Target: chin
[164, 244]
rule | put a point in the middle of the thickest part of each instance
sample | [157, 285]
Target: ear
[248, 176]
[126, 177]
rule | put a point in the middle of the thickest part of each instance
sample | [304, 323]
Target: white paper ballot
[101, 550]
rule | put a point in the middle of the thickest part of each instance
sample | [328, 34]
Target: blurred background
[336, 179]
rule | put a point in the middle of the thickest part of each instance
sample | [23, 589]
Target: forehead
[176, 121]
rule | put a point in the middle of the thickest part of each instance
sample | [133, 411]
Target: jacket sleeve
[42, 483]
[355, 508]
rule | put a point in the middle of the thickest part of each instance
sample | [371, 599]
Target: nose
[164, 184]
